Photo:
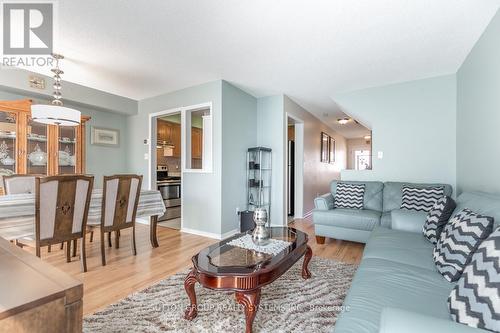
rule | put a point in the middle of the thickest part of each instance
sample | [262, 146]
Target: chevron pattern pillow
[421, 198]
[458, 241]
[475, 299]
[349, 196]
[437, 218]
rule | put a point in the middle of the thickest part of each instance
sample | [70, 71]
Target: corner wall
[414, 125]
[478, 115]
[317, 176]
[201, 192]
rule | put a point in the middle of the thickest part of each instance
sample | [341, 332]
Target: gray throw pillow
[437, 218]
[475, 299]
[349, 195]
[458, 241]
[420, 198]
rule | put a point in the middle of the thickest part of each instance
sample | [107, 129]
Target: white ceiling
[308, 50]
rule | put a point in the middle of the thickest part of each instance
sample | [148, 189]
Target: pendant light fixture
[55, 113]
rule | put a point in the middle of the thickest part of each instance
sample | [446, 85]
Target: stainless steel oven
[169, 186]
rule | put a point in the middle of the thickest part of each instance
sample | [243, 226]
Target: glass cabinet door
[67, 150]
[8, 143]
[37, 148]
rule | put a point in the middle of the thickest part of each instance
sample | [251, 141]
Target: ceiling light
[343, 121]
[55, 113]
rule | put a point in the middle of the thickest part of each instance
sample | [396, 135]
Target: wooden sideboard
[35, 296]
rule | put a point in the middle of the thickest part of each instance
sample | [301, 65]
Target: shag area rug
[289, 304]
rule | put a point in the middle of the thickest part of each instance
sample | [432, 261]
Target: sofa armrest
[324, 202]
[408, 220]
[396, 321]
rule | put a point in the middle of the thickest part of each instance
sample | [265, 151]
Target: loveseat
[380, 201]
[397, 287]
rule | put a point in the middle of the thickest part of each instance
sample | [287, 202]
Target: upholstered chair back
[121, 197]
[19, 184]
[62, 205]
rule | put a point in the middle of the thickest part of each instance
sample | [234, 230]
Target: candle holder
[260, 235]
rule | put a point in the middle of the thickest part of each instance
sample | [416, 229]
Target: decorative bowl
[64, 158]
[38, 157]
[8, 161]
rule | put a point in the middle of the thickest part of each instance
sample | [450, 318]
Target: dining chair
[19, 184]
[119, 207]
[61, 211]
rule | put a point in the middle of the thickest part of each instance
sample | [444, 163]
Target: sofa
[380, 201]
[397, 287]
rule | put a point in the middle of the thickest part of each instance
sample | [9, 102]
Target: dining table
[17, 213]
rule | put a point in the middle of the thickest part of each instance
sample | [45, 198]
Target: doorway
[294, 168]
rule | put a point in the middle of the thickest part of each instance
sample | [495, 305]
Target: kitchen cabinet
[169, 132]
[196, 142]
[27, 147]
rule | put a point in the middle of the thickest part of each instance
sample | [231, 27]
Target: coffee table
[230, 268]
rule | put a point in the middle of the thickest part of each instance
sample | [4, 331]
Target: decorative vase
[260, 235]
[38, 157]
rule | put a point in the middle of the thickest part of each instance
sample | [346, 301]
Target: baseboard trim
[210, 234]
[306, 215]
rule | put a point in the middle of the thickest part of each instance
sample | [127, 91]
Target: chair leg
[134, 249]
[92, 236]
[117, 239]
[18, 243]
[103, 256]
[49, 248]
[68, 251]
[75, 244]
[109, 239]
[62, 245]
[38, 251]
[83, 255]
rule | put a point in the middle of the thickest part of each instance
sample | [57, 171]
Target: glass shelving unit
[259, 172]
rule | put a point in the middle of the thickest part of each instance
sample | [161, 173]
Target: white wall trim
[210, 234]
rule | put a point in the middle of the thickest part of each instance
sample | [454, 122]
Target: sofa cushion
[420, 199]
[386, 219]
[482, 203]
[348, 218]
[380, 283]
[373, 193]
[437, 218]
[393, 194]
[349, 196]
[408, 220]
[399, 246]
[458, 241]
[475, 300]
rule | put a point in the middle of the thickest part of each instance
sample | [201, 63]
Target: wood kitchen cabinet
[27, 147]
[196, 142]
[169, 132]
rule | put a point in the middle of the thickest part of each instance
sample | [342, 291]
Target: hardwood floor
[125, 273]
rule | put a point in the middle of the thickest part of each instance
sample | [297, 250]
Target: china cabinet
[27, 147]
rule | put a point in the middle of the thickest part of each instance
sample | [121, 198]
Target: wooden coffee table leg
[189, 283]
[250, 300]
[307, 257]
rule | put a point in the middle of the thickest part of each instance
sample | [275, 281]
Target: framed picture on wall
[325, 141]
[105, 137]
[331, 150]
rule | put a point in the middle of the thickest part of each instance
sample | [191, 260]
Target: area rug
[289, 304]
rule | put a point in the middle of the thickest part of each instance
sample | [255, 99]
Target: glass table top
[224, 258]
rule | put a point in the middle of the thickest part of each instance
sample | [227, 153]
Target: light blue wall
[100, 160]
[271, 129]
[239, 123]
[414, 125]
[478, 115]
[201, 191]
